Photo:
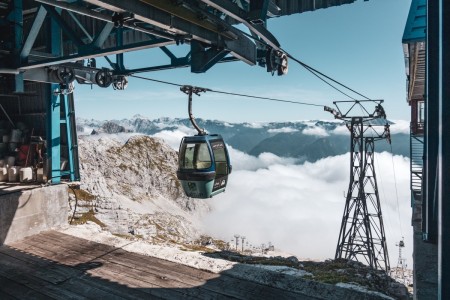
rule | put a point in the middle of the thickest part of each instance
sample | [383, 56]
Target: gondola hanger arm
[189, 90]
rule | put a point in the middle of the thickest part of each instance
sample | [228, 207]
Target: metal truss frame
[362, 236]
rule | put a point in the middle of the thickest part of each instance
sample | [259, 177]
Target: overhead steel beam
[241, 15]
[180, 64]
[33, 33]
[243, 48]
[168, 53]
[203, 59]
[103, 35]
[75, 19]
[99, 52]
[258, 10]
[188, 15]
[65, 28]
[99, 16]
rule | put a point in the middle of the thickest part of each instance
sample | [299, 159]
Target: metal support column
[119, 43]
[355, 238]
[362, 237]
[54, 112]
[18, 42]
[68, 111]
[429, 206]
[54, 134]
[443, 36]
[378, 236]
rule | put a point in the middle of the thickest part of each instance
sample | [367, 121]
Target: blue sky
[357, 44]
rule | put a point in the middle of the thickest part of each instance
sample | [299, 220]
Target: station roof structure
[414, 47]
[86, 29]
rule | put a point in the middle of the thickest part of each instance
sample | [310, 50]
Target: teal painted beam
[119, 43]
[56, 17]
[32, 35]
[99, 52]
[103, 35]
[67, 114]
[18, 41]
[54, 111]
[54, 134]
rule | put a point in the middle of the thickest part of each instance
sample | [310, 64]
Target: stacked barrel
[20, 160]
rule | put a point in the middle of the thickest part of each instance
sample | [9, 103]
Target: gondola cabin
[203, 165]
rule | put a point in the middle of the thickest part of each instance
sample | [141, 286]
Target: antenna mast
[362, 237]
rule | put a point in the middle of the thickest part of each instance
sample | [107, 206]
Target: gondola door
[222, 165]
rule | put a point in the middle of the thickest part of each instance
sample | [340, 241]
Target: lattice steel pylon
[362, 237]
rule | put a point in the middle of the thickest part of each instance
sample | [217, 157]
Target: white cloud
[243, 161]
[400, 126]
[341, 130]
[255, 125]
[319, 131]
[173, 137]
[283, 130]
[299, 207]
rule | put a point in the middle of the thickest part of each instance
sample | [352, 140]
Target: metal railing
[416, 161]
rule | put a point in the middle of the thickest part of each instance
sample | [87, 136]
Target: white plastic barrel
[13, 174]
[3, 174]
[40, 175]
[10, 160]
[26, 174]
[6, 138]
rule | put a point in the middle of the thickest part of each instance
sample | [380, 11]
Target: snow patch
[359, 288]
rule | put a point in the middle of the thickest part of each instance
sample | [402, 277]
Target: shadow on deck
[53, 265]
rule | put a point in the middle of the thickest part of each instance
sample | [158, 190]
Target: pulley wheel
[65, 74]
[283, 65]
[103, 78]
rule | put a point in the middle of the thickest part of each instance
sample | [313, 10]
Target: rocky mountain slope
[131, 189]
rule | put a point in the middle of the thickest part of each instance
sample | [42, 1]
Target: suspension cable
[232, 93]
[396, 191]
[316, 72]
[312, 70]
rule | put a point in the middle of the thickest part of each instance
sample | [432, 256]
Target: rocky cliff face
[131, 189]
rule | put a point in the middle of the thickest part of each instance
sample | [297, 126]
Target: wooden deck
[53, 265]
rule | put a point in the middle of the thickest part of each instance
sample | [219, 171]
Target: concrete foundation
[28, 212]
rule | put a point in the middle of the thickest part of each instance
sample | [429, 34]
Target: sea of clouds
[297, 206]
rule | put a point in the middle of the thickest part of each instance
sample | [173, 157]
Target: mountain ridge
[308, 140]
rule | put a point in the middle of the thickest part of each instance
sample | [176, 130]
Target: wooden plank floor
[53, 265]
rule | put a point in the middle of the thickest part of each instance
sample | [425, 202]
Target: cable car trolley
[203, 162]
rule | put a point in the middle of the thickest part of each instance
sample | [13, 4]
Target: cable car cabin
[203, 165]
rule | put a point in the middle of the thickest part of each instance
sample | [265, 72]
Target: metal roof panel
[415, 29]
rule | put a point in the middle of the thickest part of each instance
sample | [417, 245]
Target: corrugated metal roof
[415, 29]
[414, 38]
[29, 107]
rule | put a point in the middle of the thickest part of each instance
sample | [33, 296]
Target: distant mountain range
[307, 140]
